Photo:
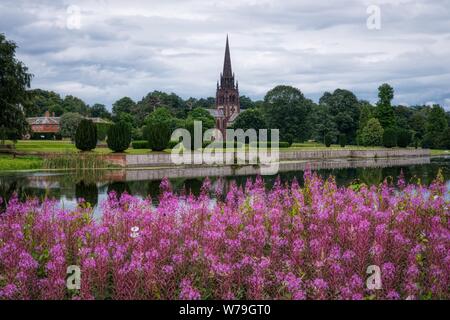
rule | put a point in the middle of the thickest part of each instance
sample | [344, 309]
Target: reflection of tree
[193, 186]
[119, 187]
[153, 189]
[370, 176]
[87, 191]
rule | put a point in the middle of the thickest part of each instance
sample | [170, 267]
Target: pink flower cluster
[289, 242]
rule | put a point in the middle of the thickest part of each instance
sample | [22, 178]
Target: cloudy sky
[103, 50]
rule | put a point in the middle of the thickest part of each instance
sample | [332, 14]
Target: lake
[68, 186]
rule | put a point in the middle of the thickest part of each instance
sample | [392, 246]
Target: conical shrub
[119, 137]
[86, 135]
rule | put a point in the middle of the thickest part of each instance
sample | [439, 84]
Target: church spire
[227, 73]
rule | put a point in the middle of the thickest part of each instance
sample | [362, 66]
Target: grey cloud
[138, 46]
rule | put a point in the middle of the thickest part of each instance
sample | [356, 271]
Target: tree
[344, 107]
[418, 122]
[119, 137]
[385, 112]
[161, 114]
[285, 108]
[404, 138]
[99, 111]
[158, 135]
[342, 140]
[123, 105]
[86, 135]
[322, 122]
[157, 99]
[390, 138]
[74, 104]
[446, 139]
[246, 102]
[372, 133]
[250, 119]
[200, 114]
[69, 123]
[328, 139]
[158, 129]
[435, 127]
[14, 82]
[41, 101]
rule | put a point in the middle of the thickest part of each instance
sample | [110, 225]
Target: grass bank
[9, 162]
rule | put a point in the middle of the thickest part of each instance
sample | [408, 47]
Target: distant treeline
[337, 116]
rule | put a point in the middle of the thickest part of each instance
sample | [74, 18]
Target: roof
[57, 120]
[44, 120]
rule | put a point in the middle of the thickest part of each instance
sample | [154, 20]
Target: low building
[49, 125]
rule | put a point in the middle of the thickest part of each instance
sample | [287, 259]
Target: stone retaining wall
[164, 159]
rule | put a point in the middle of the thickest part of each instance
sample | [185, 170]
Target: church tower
[227, 95]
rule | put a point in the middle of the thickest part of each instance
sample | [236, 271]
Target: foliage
[435, 128]
[140, 144]
[372, 133]
[69, 123]
[200, 114]
[250, 243]
[99, 111]
[385, 112]
[342, 140]
[76, 161]
[328, 139]
[324, 122]
[119, 137]
[74, 104]
[404, 138]
[9, 162]
[86, 135]
[345, 108]
[390, 138]
[123, 105]
[158, 135]
[286, 108]
[250, 119]
[14, 82]
[102, 130]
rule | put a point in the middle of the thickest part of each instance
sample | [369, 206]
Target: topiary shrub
[328, 139]
[390, 138]
[404, 138]
[342, 140]
[119, 137]
[158, 135]
[86, 135]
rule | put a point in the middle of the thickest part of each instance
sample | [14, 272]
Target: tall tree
[250, 119]
[99, 111]
[344, 107]
[14, 82]
[286, 108]
[123, 105]
[74, 104]
[436, 127]
[385, 111]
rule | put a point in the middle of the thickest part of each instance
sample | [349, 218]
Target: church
[227, 96]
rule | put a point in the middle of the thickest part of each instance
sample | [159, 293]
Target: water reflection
[68, 187]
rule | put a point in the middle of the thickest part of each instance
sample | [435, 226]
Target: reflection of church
[227, 96]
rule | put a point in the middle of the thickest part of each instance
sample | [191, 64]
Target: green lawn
[440, 152]
[64, 146]
[8, 162]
